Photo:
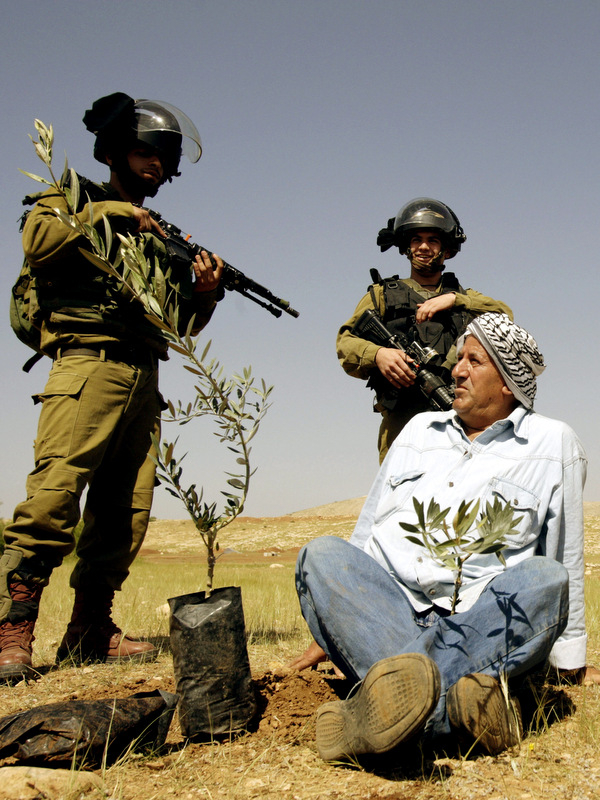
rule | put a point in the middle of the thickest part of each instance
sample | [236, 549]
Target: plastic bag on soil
[210, 660]
[86, 730]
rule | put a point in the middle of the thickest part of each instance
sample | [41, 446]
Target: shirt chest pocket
[524, 503]
[398, 491]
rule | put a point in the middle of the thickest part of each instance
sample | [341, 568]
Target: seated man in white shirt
[380, 606]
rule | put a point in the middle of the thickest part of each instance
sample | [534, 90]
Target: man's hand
[591, 676]
[584, 676]
[431, 307]
[207, 278]
[312, 656]
[394, 365]
[145, 223]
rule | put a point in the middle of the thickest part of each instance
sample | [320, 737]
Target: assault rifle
[369, 326]
[181, 249]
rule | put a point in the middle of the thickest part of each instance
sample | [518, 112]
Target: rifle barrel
[232, 278]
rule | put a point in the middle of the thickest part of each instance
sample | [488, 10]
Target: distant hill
[341, 508]
[174, 537]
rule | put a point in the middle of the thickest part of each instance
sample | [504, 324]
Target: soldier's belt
[128, 354]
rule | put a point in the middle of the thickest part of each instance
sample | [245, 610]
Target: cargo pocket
[398, 490]
[524, 503]
[58, 415]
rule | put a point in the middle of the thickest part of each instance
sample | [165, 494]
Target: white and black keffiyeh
[512, 349]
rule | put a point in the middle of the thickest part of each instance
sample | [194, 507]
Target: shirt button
[419, 560]
[451, 483]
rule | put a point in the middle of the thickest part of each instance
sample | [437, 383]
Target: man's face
[482, 397]
[145, 163]
[426, 251]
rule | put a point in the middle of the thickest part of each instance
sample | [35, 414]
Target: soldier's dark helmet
[118, 122]
[423, 213]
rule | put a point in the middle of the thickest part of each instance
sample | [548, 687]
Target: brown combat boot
[16, 631]
[93, 636]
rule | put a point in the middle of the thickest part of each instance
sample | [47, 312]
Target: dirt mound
[288, 700]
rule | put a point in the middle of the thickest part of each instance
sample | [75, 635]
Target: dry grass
[558, 757]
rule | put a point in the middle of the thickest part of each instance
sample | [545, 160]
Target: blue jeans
[359, 614]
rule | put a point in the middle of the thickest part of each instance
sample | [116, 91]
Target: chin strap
[436, 265]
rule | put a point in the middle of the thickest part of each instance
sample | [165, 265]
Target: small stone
[31, 783]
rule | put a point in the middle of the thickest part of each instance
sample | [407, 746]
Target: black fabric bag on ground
[210, 660]
[89, 731]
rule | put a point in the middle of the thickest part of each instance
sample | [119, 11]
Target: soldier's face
[145, 163]
[425, 246]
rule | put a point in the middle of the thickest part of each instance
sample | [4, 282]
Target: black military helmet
[118, 121]
[424, 213]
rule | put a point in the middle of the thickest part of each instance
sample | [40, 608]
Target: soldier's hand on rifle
[394, 365]
[145, 223]
[207, 277]
[431, 307]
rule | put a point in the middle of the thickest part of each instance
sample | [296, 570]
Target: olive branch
[451, 545]
[236, 404]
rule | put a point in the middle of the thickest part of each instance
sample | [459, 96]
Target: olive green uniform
[99, 408]
[357, 356]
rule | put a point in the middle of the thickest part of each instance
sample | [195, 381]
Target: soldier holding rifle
[430, 307]
[101, 403]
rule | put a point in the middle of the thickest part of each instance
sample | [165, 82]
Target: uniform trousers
[95, 431]
[392, 423]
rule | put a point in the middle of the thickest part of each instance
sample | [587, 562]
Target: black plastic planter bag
[210, 659]
[88, 731]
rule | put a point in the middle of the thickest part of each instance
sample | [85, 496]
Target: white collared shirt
[536, 464]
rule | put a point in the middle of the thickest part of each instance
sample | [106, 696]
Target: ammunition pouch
[401, 303]
[440, 333]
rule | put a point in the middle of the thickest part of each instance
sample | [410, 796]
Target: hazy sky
[319, 120]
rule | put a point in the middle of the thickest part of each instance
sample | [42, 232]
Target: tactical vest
[80, 297]
[440, 333]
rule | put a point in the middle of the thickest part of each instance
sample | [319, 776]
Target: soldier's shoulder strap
[450, 283]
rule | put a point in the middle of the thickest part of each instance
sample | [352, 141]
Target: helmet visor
[153, 117]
